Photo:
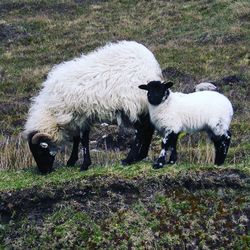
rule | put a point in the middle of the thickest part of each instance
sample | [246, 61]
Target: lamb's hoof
[157, 165]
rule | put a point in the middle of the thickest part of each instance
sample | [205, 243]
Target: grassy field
[180, 207]
[135, 207]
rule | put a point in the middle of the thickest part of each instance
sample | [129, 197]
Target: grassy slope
[118, 208]
[15, 180]
[207, 40]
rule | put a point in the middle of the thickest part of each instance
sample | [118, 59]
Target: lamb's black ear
[168, 84]
[143, 86]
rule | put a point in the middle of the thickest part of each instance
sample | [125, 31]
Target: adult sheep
[172, 113]
[99, 86]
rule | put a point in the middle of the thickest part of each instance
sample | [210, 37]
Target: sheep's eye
[44, 144]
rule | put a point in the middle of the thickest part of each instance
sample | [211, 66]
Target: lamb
[172, 113]
[97, 87]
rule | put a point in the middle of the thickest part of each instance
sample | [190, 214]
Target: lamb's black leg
[144, 133]
[74, 154]
[85, 148]
[169, 140]
[221, 144]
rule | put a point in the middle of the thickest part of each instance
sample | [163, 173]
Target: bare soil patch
[98, 190]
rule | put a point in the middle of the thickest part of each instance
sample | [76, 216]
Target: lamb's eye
[44, 144]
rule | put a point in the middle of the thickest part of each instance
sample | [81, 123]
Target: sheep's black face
[43, 151]
[157, 91]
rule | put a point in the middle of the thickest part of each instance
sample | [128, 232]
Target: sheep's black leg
[144, 133]
[74, 154]
[173, 141]
[221, 144]
[85, 148]
[133, 154]
[169, 140]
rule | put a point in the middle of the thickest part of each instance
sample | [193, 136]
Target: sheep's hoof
[46, 172]
[158, 165]
[71, 163]
[218, 163]
[85, 166]
[171, 162]
[126, 162]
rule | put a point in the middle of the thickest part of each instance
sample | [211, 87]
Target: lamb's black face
[43, 151]
[157, 91]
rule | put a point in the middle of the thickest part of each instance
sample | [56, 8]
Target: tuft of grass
[14, 154]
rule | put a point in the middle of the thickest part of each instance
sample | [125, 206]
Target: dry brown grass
[15, 153]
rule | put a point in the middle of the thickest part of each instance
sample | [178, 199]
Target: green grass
[27, 178]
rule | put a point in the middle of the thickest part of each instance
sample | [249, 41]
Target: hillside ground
[180, 207]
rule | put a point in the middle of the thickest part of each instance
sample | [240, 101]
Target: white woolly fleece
[193, 112]
[205, 86]
[93, 87]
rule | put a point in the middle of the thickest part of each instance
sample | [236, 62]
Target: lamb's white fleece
[206, 110]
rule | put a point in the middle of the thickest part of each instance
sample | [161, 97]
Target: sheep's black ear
[143, 86]
[168, 84]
